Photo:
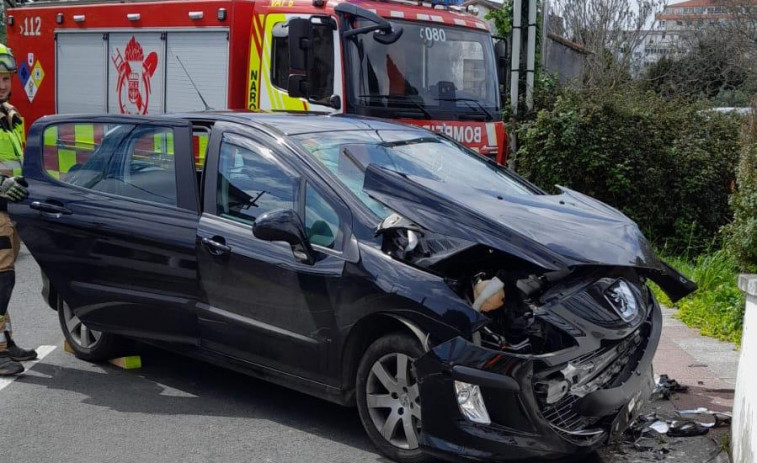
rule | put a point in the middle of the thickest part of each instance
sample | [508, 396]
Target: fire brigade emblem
[134, 74]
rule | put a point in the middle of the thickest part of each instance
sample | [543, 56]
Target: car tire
[387, 397]
[87, 344]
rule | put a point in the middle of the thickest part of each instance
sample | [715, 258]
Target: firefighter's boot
[8, 366]
[16, 353]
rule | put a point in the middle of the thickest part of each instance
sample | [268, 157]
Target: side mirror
[300, 45]
[285, 225]
[500, 53]
[297, 85]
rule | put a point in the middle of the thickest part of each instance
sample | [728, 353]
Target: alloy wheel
[393, 400]
[80, 333]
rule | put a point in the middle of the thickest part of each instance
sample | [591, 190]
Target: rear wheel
[388, 398]
[87, 344]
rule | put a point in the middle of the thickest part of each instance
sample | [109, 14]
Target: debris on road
[706, 418]
[655, 436]
[687, 429]
[665, 386]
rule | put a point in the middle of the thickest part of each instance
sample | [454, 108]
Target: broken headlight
[471, 402]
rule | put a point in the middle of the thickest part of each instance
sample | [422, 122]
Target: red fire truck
[428, 65]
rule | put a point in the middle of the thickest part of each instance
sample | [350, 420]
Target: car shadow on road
[171, 384]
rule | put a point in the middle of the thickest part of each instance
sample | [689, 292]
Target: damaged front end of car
[562, 358]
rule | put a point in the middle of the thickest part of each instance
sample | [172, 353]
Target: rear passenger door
[112, 218]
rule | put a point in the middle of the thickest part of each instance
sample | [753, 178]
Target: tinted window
[321, 220]
[200, 138]
[135, 161]
[251, 182]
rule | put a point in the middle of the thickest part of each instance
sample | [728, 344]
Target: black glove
[10, 114]
[14, 189]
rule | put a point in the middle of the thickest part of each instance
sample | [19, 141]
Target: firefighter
[12, 188]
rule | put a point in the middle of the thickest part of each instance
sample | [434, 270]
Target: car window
[416, 154]
[200, 138]
[321, 220]
[251, 182]
[134, 161]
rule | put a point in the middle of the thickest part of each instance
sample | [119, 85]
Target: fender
[422, 337]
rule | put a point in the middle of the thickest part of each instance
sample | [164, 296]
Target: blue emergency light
[447, 2]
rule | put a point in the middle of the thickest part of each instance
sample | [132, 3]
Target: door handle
[216, 246]
[51, 208]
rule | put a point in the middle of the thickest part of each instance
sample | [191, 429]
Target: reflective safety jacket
[12, 141]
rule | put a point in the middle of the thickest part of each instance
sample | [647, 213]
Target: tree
[716, 67]
[611, 30]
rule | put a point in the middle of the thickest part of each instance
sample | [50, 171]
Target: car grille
[562, 415]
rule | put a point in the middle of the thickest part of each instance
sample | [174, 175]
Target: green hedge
[741, 235]
[668, 165]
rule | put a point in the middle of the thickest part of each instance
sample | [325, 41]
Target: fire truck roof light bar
[79, 18]
[452, 4]
[196, 14]
[133, 16]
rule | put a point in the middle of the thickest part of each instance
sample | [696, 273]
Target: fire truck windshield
[432, 72]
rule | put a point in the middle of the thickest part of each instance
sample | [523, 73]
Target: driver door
[264, 306]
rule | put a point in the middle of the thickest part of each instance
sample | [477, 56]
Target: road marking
[42, 352]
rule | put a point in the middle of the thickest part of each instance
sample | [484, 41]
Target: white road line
[42, 352]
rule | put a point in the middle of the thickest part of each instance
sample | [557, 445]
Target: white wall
[743, 430]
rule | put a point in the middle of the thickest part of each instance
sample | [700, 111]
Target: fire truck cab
[428, 65]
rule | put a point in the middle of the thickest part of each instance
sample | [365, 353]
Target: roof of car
[298, 123]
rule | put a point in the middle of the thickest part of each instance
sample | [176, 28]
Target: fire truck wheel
[87, 344]
[387, 397]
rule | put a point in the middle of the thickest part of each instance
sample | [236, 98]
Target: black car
[464, 311]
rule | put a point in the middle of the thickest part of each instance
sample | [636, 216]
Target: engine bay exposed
[506, 290]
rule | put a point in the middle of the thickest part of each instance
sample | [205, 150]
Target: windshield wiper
[469, 100]
[402, 98]
[412, 141]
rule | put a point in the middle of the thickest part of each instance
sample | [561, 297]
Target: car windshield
[414, 153]
[433, 70]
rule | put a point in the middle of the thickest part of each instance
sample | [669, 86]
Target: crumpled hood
[551, 231]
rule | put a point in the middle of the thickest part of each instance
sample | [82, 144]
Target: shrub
[717, 307]
[741, 234]
[668, 165]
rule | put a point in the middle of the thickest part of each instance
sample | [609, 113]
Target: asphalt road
[173, 409]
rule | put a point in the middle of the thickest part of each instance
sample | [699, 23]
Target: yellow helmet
[7, 61]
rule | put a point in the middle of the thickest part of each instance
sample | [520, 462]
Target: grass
[717, 307]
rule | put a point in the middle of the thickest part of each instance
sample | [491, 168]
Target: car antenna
[207, 108]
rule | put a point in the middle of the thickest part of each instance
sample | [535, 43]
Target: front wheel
[87, 344]
[388, 398]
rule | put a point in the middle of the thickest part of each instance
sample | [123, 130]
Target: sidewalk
[707, 366]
